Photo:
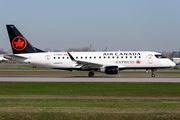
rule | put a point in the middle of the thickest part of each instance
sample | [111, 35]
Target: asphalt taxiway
[88, 79]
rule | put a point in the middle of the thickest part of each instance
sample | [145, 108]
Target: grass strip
[90, 89]
[21, 67]
[88, 116]
[116, 104]
[89, 109]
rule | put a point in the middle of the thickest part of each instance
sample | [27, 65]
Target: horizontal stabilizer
[10, 57]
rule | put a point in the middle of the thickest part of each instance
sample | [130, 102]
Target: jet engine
[110, 70]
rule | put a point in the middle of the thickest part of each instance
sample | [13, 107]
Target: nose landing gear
[152, 73]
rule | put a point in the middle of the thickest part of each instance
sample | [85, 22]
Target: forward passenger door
[47, 59]
[150, 59]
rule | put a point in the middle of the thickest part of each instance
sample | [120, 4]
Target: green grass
[98, 109]
[20, 67]
[88, 116]
[96, 103]
[89, 109]
[90, 89]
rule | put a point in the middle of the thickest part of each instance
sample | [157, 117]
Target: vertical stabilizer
[18, 43]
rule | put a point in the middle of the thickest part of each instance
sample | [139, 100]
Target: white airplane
[110, 62]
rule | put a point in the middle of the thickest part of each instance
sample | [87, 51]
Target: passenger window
[104, 57]
[58, 57]
[126, 57]
[94, 57]
[62, 57]
[67, 57]
[81, 57]
[90, 57]
[113, 57]
[85, 57]
[76, 57]
[117, 57]
[134, 56]
[99, 57]
[54, 57]
[139, 56]
[121, 56]
[130, 56]
[108, 57]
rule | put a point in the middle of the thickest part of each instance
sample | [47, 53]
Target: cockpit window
[160, 56]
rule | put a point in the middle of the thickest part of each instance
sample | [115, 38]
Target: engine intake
[111, 70]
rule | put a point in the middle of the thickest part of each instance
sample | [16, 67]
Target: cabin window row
[61, 58]
[99, 57]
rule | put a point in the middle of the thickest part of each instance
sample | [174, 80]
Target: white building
[2, 58]
[176, 60]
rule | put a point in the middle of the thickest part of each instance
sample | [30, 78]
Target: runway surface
[87, 79]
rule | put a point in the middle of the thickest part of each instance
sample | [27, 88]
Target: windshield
[160, 56]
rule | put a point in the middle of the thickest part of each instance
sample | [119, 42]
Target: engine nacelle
[110, 70]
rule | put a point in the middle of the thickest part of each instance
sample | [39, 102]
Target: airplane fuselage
[122, 59]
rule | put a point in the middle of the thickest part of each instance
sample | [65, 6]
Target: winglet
[72, 58]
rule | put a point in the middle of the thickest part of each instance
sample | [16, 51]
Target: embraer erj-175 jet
[108, 62]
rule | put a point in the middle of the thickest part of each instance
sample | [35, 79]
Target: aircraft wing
[86, 64]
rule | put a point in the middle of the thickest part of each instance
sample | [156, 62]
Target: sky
[147, 25]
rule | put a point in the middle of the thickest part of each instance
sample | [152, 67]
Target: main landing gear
[91, 74]
[152, 73]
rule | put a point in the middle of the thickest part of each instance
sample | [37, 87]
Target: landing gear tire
[91, 74]
[153, 75]
[152, 71]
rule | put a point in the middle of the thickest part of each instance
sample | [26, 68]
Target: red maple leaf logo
[138, 61]
[19, 43]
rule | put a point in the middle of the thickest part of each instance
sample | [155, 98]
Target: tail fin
[18, 43]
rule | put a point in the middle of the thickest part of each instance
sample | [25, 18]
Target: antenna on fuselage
[105, 49]
[90, 47]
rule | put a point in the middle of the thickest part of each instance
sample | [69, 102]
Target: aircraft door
[47, 59]
[150, 59]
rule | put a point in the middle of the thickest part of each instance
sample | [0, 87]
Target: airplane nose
[172, 64]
